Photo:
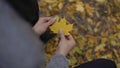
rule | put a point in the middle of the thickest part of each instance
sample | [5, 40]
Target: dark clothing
[20, 47]
[28, 9]
[100, 63]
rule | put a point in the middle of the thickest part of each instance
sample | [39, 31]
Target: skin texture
[43, 23]
[65, 43]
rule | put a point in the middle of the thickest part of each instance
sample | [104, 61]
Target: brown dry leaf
[96, 27]
[88, 54]
[89, 10]
[100, 48]
[73, 60]
[113, 42]
[50, 1]
[91, 39]
[90, 21]
[98, 24]
[116, 54]
[118, 65]
[107, 56]
[118, 26]
[60, 6]
[71, 0]
[101, 1]
[103, 40]
[118, 35]
[104, 34]
[83, 27]
[117, 2]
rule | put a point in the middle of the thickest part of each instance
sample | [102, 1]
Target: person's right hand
[65, 44]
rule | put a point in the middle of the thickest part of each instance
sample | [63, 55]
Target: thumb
[61, 34]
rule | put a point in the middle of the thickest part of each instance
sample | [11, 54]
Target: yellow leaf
[71, 0]
[60, 6]
[101, 1]
[79, 7]
[108, 55]
[118, 26]
[77, 49]
[100, 48]
[89, 9]
[89, 20]
[113, 42]
[118, 65]
[88, 54]
[95, 30]
[91, 39]
[73, 60]
[119, 35]
[104, 40]
[98, 24]
[50, 1]
[62, 24]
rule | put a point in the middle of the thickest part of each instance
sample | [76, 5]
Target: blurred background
[96, 28]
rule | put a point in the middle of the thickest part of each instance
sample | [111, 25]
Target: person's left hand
[43, 23]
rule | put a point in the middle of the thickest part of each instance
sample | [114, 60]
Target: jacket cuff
[58, 61]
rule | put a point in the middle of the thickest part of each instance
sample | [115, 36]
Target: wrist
[61, 53]
[36, 31]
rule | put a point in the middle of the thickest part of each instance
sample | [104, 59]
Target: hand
[65, 44]
[43, 23]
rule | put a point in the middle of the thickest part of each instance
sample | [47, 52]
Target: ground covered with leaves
[96, 28]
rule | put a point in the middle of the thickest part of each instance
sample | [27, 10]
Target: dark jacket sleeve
[19, 46]
[28, 9]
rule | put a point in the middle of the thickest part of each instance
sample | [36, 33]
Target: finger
[44, 19]
[61, 34]
[51, 21]
[70, 37]
[67, 37]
